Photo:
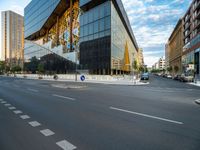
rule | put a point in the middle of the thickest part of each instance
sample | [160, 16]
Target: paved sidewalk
[119, 81]
[195, 84]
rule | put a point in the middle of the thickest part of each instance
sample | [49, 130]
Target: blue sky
[152, 21]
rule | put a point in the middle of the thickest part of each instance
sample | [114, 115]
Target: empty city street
[52, 115]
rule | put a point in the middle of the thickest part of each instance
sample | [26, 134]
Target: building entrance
[196, 59]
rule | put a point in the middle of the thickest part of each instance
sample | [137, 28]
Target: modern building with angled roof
[95, 34]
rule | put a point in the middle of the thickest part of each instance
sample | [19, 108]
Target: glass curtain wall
[95, 23]
[122, 46]
[95, 31]
[37, 55]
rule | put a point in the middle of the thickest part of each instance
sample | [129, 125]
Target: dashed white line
[197, 101]
[60, 96]
[47, 132]
[11, 108]
[17, 111]
[7, 104]
[3, 102]
[145, 115]
[17, 86]
[65, 145]
[34, 123]
[24, 117]
[33, 90]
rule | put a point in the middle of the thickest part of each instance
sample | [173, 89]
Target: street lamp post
[76, 63]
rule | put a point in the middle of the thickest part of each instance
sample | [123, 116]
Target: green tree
[41, 69]
[141, 69]
[32, 66]
[7, 68]
[2, 66]
[15, 69]
[135, 66]
[169, 69]
[176, 69]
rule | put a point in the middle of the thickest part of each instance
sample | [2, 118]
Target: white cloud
[18, 9]
[153, 23]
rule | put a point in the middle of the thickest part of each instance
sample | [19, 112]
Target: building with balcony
[174, 48]
[141, 57]
[96, 35]
[159, 65]
[167, 50]
[12, 25]
[191, 37]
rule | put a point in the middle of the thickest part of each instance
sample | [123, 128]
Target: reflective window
[98, 22]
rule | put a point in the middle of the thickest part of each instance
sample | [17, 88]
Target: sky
[152, 22]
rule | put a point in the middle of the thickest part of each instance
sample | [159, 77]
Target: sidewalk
[108, 80]
[195, 84]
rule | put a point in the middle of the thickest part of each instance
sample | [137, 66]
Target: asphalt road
[48, 115]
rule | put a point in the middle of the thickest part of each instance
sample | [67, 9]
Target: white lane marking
[197, 101]
[47, 132]
[3, 102]
[11, 108]
[152, 90]
[145, 115]
[34, 123]
[190, 89]
[17, 111]
[24, 117]
[33, 90]
[7, 104]
[65, 145]
[60, 96]
[17, 86]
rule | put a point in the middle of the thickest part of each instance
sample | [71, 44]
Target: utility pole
[71, 38]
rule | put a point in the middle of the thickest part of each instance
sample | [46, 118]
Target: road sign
[82, 78]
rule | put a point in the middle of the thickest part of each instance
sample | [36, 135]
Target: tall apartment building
[191, 38]
[12, 38]
[160, 64]
[140, 57]
[175, 48]
[167, 55]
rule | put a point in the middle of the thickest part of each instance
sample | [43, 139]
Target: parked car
[144, 76]
[164, 75]
[169, 76]
[185, 78]
[177, 77]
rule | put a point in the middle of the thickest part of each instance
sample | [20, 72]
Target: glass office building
[52, 29]
[95, 34]
[107, 43]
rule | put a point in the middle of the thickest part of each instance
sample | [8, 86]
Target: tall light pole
[76, 59]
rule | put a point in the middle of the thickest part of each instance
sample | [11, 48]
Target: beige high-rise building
[12, 38]
[141, 57]
[175, 48]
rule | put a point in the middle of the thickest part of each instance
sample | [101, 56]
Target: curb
[197, 101]
[90, 82]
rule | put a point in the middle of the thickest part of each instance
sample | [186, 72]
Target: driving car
[144, 76]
